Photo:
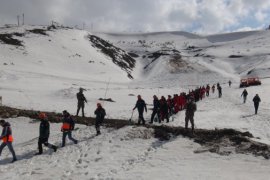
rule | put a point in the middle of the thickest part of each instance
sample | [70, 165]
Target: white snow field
[46, 72]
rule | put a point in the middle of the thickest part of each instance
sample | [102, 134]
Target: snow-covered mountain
[42, 68]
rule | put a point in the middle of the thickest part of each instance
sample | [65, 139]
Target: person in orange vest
[7, 139]
[44, 133]
[67, 128]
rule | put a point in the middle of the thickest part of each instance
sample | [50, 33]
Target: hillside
[42, 70]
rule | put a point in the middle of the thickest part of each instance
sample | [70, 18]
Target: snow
[47, 72]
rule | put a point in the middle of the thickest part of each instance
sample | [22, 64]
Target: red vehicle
[253, 81]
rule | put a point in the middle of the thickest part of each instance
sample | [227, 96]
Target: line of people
[164, 108]
[67, 127]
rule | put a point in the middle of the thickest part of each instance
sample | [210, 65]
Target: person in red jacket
[176, 105]
[67, 128]
[7, 139]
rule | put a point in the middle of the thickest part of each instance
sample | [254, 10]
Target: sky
[196, 16]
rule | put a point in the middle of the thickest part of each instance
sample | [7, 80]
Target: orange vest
[66, 126]
[8, 138]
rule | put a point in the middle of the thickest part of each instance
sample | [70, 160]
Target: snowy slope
[46, 72]
[128, 153]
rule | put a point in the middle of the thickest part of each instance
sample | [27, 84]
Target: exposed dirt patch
[133, 55]
[107, 99]
[8, 39]
[155, 55]
[8, 112]
[39, 31]
[235, 56]
[220, 141]
[118, 56]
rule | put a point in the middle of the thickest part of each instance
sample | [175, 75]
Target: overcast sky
[198, 16]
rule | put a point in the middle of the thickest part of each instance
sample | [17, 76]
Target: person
[164, 109]
[100, 114]
[141, 106]
[67, 128]
[170, 105]
[156, 105]
[244, 94]
[44, 133]
[256, 101]
[190, 110]
[213, 88]
[81, 100]
[7, 139]
[219, 90]
[230, 83]
[207, 90]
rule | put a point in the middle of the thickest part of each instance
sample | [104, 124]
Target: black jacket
[244, 93]
[81, 98]
[100, 114]
[156, 104]
[6, 130]
[140, 105]
[164, 106]
[191, 108]
[256, 100]
[44, 129]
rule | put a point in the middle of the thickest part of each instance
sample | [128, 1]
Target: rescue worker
[256, 101]
[190, 110]
[170, 105]
[44, 133]
[164, 109]
[67, 128]
[244, 94]
[100, 114]
[156, 105]
[207, 90]
[213, 88]
[141, 106]
[81, 100]
[7, 139]
[230, 83]
[219, 90]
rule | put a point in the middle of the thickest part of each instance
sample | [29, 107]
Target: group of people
[44, 133]
[256, 100]
[99, 112]
[67, 127]
[164, 108]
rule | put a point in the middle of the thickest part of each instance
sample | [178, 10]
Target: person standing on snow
[190, 110]
[67, 128]
[164, 109]
[207, 90]
[219, 90]
[244, 94]
[141, 106]
[230, 83]
[7, 139]
[213, 89]
[81, 100]
[100, 114]
[156, 105]
[256, 101]
[44, 133]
